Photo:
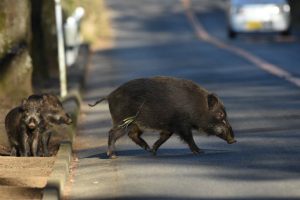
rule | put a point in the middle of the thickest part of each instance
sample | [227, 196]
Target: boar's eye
[55, 105]
[220, 115]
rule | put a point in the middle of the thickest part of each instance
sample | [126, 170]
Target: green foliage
[95, 25]
[127, 122]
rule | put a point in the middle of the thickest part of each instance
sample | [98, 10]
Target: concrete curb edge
[58, 178]
[72, 104]
[59, 175]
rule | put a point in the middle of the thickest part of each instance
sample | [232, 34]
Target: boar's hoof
[148, 149]
[198, 151]
[154, 152]
[111, 154]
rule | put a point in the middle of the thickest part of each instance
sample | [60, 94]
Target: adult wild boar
[168, 105]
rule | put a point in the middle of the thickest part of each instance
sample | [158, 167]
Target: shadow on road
[161, 154]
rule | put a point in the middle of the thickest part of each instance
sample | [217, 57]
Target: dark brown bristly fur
[21, 123]
[53, 114]
[169, 105]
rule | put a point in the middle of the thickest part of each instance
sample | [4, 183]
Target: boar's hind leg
[114, 134]
[164, 136]
[188, 138]
[135, 135]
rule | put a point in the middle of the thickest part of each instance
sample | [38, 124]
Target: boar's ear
[52, 96]
[42, 103]
[24, 103]
[212, 101]
[45, 98]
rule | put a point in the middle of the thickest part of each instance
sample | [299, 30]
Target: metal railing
[73, 38]
[68, 50]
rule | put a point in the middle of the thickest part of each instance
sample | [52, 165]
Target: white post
[61, 50]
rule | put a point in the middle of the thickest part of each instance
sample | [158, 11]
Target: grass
[129, 120]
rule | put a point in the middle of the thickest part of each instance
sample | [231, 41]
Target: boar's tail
[98, 101]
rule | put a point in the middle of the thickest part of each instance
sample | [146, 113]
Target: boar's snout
[230, 136]
[227, 138]
[231, 141]
[69, 121]
[227, 135]
[66, 119]
[31, 126]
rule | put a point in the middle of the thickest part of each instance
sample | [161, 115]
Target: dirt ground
[21, 178]
[24, 178]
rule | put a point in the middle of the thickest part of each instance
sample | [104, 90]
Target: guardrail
[73, 38]
[68, 50]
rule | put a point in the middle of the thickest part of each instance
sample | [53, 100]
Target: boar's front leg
[164, 136]
[45, 143]
[188, 138]
[23, 151]
[34, 143]
[13, 151]
[135, 135]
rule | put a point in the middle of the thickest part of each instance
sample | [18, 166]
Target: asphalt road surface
[157, 38]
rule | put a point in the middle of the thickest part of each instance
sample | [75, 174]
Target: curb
[59, 175]
[72, 103]
[58, 178]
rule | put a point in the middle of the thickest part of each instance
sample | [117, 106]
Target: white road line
[257, 61]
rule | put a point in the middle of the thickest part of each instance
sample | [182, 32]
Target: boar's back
[159, 101]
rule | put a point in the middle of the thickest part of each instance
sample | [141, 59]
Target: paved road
[155, 38]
